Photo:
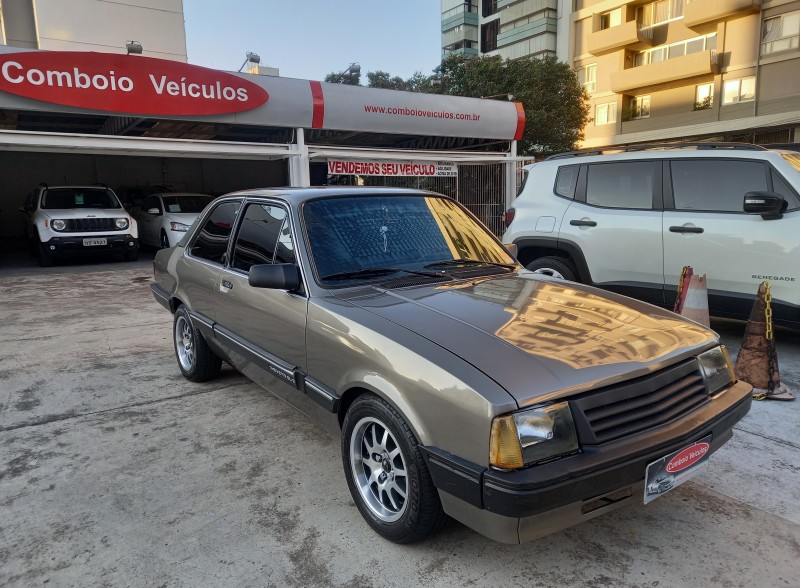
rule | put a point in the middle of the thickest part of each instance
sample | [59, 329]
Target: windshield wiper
[453, 262]
[377, 271]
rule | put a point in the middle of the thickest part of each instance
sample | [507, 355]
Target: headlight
[717, 369]
[180, 227]
[58, 224]
[122, 223]
[533, 435]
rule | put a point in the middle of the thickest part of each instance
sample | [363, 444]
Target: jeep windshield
[63, 198]
[370, 237]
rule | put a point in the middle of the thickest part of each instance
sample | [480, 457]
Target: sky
[308, 39]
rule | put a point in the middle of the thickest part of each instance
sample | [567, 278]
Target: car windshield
[189, 203]
[61, 198]
[367, 237]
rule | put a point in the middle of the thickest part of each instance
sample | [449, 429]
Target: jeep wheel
[131, 255]
[557, 267]
[386, 473]
[196, 361]
[44, 257]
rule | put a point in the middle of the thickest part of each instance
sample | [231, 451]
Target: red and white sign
[126, 84]
[688, 457]
[391, 168]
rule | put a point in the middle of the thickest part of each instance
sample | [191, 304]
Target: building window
[611, 18]
[675, 50]
[659, 12]
[587, 77]
[489, 36]
[704, 96]
[640, 107]
[741, 90]
[489, 8]
[605, 114]
[781, 33]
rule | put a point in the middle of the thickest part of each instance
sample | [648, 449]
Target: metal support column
[299, 174]
[511, 176]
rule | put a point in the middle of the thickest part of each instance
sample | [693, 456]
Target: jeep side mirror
[275, 276]
[770, 205]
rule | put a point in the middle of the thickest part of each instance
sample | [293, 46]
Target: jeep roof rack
[657, 146]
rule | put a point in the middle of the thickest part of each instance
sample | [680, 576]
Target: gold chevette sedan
[460, 383]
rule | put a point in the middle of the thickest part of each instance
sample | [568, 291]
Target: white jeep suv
[629, 222]
[64, 220]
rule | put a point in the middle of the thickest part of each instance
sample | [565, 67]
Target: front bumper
[580, 486]
[71, 244]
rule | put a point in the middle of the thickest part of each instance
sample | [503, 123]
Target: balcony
[702, 63]
[620, 36]
[702, 12]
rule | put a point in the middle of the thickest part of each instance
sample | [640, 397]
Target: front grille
[90, 225]
[628, 408]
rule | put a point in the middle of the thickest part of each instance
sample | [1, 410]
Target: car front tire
[195, 359]
[386, 473]
[557, 267]
[164, 240]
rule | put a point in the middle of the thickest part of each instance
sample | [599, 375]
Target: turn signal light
[505, 451]
[509, 216]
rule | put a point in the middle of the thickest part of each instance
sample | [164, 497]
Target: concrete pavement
[115, 471]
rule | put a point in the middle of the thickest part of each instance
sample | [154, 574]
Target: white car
[61, 221]
[629, 222]
[165, 218]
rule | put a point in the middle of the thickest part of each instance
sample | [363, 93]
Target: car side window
[715, 185]
[566, 180]
[284, 253]
[780, 186]
[621, 185]
[211, 242]
[258, 235]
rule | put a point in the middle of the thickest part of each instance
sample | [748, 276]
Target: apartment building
[95, 25]
[509, 28]
[688, 69]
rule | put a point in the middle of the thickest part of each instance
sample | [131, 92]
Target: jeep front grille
[624, 409]
[90, 225]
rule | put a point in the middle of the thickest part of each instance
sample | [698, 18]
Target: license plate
[676, 468]
[93, 242]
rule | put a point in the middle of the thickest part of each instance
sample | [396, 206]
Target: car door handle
[686, 229]
[583, 223]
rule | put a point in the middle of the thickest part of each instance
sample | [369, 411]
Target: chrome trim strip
[265, 360]
[322, 395]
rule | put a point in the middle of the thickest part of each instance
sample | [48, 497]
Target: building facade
[95, 25]
[688, 69]
[511, 29]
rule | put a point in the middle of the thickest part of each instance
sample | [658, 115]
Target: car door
[263, 329]
[705, 226]
[148, 222]
[615, 221]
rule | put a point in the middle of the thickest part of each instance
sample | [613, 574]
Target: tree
[555, 104]
[347, 77]
[381, 79]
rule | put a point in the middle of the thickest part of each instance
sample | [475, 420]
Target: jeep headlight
[531, 436]
[179, 227]
[717, 369]
[121, 223]
[58, 224]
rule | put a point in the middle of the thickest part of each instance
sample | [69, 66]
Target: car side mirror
[770, 205]
[275, 276]
[153, 211]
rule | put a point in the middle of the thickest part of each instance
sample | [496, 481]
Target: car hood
[540, 338]
[186, 218]
[70, 213]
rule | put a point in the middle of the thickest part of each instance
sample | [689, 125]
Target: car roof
[299, 195]
[666, 152]
[82, 187]
[180, 194]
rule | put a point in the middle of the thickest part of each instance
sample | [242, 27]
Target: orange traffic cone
[757, 362]
[695, 303]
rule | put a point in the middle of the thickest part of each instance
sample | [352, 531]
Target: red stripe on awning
[520, 121]
[318, 117]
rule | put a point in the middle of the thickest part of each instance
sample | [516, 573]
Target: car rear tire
[195, 359]
[386, 473]
[557, 267]
[164, 240]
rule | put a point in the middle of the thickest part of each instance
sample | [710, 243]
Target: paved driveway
[115, 471]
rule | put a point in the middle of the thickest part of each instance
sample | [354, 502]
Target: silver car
[460, 383]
